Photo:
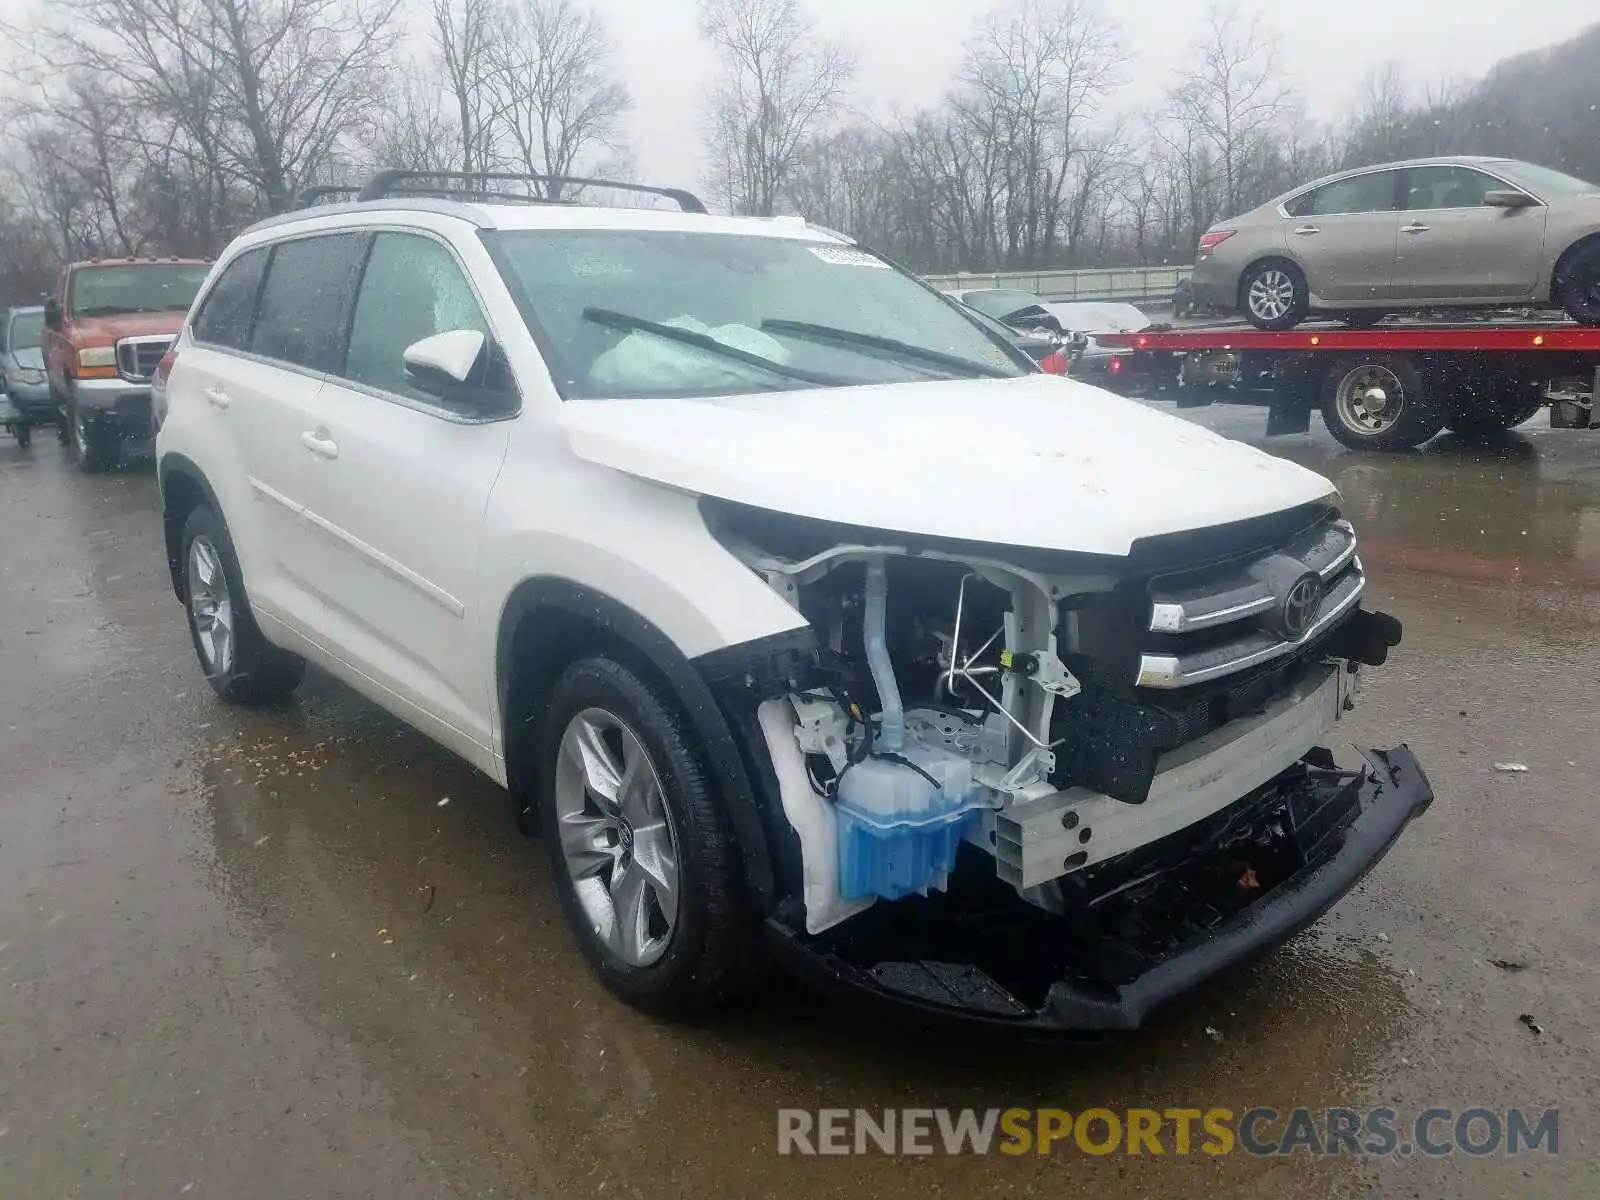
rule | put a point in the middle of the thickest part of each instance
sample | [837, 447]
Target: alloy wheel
[1271, 295]
[210, 606]
[617, 838]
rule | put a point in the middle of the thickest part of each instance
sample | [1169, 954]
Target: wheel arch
[184, 487]
[1578, 247]
[549, 622]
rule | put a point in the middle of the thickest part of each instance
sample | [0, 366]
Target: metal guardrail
[1137, 284]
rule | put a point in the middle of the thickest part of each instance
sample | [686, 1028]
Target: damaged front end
[1057, 790]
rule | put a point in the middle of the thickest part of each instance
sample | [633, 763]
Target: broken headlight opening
[973, 740]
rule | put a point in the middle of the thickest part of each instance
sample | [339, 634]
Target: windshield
[27, 330]
[652, 313]
[145, 287]
[1548, 182]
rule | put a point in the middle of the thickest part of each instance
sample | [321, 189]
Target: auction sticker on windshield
[839, 256]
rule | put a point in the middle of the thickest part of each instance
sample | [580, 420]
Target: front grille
[137, 358]
[1219, 620]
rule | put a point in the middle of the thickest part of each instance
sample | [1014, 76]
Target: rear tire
[24, 435]
[1578, 285]
[239, 663]
[605, 724]
[1378, 402]
[1273, 294]
[1501, 406]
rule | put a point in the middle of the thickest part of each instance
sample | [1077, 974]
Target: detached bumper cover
[1332, 828]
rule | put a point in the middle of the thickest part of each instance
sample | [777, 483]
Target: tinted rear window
[304, 312]
[225, 315]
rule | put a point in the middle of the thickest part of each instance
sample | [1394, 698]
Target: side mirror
[1509, 199]
[461, 368]
[52, 313]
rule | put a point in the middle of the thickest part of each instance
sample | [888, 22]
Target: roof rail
[306, 197]
[383, 185]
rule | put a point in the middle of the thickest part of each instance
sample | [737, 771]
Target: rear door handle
[1306, 231]
[319, 443]
[1415, 228]
[217, 397]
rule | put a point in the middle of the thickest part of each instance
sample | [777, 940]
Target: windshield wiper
[889, 346]
[617, 320]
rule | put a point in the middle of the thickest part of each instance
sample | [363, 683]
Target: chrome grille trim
[138, 357]
[1244, 604]
[1257, 646]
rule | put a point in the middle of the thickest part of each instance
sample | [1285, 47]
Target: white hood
[1036, 461]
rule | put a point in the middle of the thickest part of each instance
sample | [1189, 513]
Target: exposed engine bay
[1054, 715]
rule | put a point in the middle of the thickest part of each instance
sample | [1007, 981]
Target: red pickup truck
[106, 328]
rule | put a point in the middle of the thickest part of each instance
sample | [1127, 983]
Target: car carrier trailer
[1388, 388]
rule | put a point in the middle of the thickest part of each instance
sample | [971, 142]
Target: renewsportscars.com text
[1357, 1132]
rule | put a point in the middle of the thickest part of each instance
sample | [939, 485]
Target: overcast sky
[1327, 47]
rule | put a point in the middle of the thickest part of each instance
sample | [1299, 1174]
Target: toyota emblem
[1299, 607]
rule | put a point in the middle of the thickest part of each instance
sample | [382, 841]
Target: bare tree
[263, 90]
[465, 35]
[1233, 98]
[556, 96]
[1035, 77]
[413, 131]
[780, 84]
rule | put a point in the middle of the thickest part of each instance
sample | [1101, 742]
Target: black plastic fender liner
[179, 465]
[689, 686]
[1393, 791]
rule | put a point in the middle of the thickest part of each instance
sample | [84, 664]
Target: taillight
[1054, 363]
[1115, 365]
[158, 388]
[1210, 241]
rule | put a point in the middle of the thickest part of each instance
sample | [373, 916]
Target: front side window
[656, 313]
[1359, 194]
[305, 302]
[226, 313]
[134, 288]
[412, 289]
[1448, 187]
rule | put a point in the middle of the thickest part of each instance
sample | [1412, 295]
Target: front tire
[643, 852]
[1577, 287]
[1273, 295]
[98, 446]
[239, 663]
[1378, 402]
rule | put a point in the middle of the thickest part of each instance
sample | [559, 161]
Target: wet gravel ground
[257, 954]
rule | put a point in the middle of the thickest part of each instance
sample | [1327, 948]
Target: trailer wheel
[1378, 402]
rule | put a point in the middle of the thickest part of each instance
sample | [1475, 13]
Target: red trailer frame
[1388, 388]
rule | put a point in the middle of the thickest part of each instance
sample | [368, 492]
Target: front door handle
[1306, 231]
[217, 397]
[1415, 228]
[319, 443]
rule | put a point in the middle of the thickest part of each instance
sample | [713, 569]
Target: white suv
[797, 608]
